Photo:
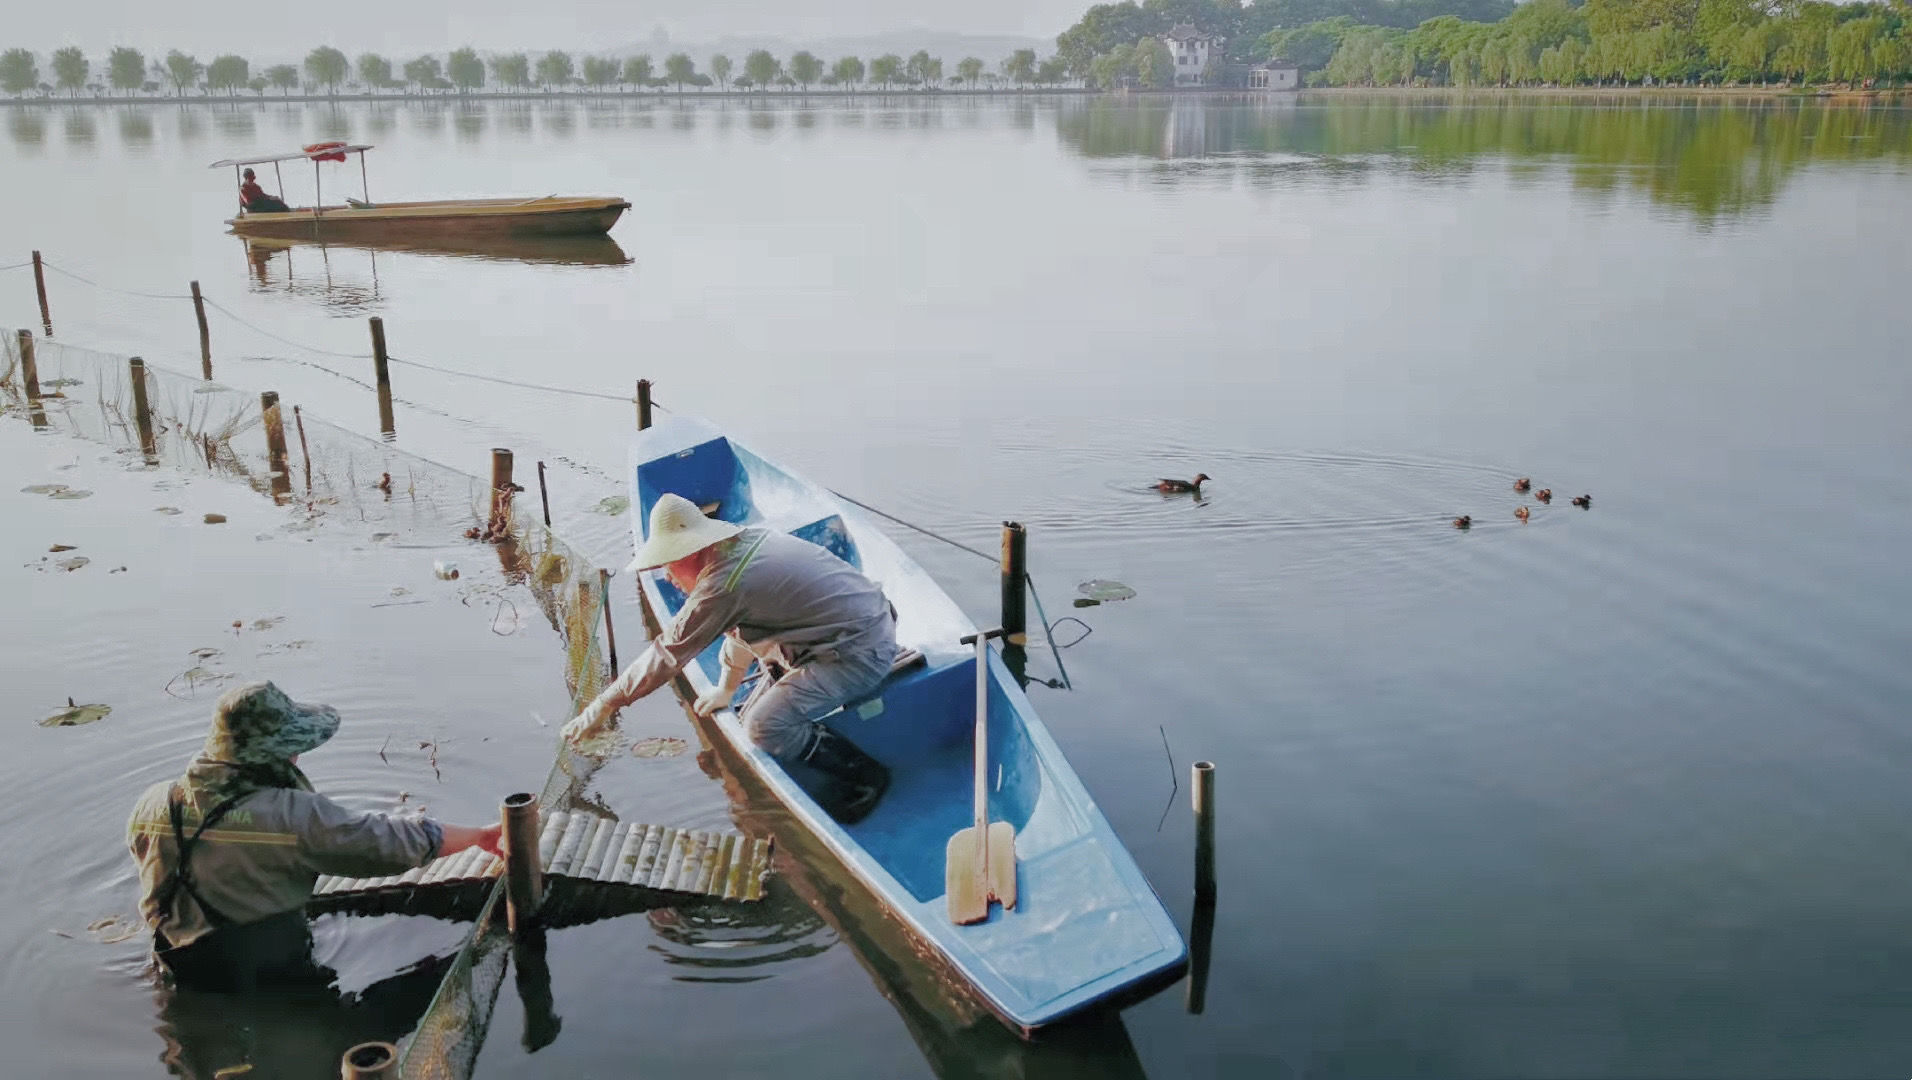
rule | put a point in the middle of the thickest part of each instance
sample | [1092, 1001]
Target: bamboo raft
[587, 860]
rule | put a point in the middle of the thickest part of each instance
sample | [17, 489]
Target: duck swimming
[1181, 487]
[1584, 502]
[1544, 495]
[1464, 522]
[1521, 513]
[1523, 485]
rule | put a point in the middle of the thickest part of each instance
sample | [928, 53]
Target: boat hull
[1088, 931]
[441, 221]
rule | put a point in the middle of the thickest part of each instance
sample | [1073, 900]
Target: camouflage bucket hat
[258, 724]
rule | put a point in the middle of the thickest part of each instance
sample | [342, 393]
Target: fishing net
[203, 427]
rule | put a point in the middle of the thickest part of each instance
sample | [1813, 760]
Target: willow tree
[125, 69]
[70, 69]
[679, 69]
[762, 68]
[847, 71]
[229, 73]
[327, 67]
[805, 68]
[720, 70]
[465, 70]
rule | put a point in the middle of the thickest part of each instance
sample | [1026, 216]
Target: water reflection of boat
[555, 250]
[1087, 932]
[427, 220]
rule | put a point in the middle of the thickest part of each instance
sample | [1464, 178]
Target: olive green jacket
[263, 857]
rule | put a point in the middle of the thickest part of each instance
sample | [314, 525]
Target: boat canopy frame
[318, 153]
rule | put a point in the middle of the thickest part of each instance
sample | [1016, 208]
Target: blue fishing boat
[1085, 930]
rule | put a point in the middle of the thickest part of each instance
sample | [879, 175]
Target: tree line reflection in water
[1714, 159]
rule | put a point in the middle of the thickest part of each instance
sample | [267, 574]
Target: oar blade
[964, 879]
[1002, 863]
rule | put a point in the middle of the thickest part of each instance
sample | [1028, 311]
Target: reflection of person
[228, 854]
[775, 598]
[256, 201]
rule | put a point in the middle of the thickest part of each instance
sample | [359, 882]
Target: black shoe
[855, 781]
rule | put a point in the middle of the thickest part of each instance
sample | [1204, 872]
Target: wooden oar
[982, 858]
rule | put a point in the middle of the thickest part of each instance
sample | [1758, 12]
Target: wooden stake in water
[281, 478]
[370, 1061]
[1202, 784]
[39, 286]
[382, 371]
[499, 526]
[604, 598]
[1015, 578]
[304, 450]
[544, 496]
[524, 879]
[142, 409]
[29, 368]
[643, 404]
[205, 334]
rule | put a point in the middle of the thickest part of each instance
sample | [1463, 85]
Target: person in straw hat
[228, 854]
[778, 599]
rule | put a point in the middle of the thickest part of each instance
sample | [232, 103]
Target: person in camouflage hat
[228, 854]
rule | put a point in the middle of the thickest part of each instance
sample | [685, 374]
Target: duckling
[1523, 485]
[1584, 502]
[1181, 487]
[1521, 513]
[1464, 522]
[1544, 495]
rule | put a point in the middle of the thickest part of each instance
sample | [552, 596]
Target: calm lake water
[1616, 792]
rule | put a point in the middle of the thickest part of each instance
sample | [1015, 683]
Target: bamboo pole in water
[1203, 794]
[305, 451]
[500, 523]
[39, 286]
[370, 1061]
[524, 879]
[382, 370]
[29, 368]
[142, 409]
[205, 334]
[610, 634]
[544, 496]
[275, 431]
[1015, 575]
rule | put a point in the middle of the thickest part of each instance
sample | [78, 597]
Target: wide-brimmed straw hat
[678, 529]
[257, 724]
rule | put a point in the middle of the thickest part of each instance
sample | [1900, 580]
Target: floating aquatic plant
[614, 505]
[76, 715]
[666, 746]
[1105, 591]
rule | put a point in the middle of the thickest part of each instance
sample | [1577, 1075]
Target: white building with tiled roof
[1192, 50]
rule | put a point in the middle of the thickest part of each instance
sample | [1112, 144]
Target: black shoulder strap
[182, 877]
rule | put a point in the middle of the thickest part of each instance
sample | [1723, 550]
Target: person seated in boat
[256, 201]
[227, 855]
[777, 599]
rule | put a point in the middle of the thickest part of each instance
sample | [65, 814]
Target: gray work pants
[778, 715]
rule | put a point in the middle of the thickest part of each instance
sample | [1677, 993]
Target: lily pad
[72, 564]
[614, 505]
[70, 493]
[268, 622]
[666, 746]
[1105, 591]
[44, 489]
[77, 715]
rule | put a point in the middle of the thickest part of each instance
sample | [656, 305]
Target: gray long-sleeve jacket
[778, 593]
[264, 856]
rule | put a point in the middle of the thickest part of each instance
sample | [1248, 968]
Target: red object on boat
[314, 149]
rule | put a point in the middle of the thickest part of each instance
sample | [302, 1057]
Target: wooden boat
[1087, 931]
[428, 220]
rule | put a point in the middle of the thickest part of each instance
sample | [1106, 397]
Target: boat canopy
[324, 151]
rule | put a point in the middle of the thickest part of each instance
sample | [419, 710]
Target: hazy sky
[257, 27]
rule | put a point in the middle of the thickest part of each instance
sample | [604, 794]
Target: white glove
[586, 725]
[709, 702]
